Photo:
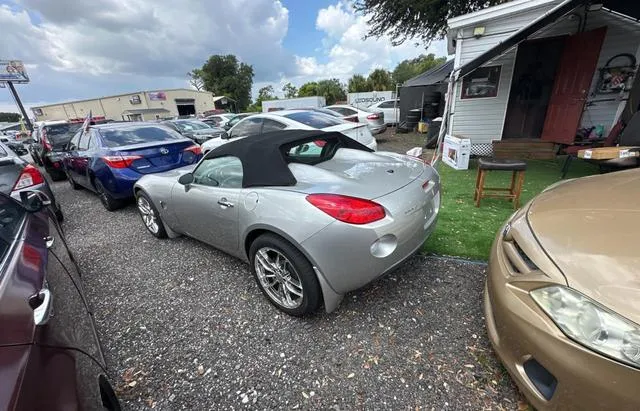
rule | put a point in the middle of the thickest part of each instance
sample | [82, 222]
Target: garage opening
[186, 107]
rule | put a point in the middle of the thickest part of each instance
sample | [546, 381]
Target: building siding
[482, 119]
[112, 107]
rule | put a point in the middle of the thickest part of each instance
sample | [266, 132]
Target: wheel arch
[330, 297]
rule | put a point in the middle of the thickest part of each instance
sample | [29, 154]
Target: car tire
[73, 183]
[300, 284]
[150, 215]
[110, 203]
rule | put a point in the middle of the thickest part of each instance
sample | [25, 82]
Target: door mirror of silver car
[224, 135]
[34, 201]
[186, 179]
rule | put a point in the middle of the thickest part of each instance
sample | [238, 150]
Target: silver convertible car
[315, 214]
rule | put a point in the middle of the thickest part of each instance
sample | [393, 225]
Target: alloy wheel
[148, 215]
[278, 277]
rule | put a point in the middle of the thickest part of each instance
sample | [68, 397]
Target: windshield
[315, 119]
[61, 133]
[191, 125]
[124, 136]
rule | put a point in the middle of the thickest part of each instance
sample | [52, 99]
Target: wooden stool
[512, 193]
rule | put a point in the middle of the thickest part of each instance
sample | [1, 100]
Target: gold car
[562, 298]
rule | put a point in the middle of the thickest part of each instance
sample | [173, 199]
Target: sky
[75, 51]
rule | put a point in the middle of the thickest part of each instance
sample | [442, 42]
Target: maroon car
[50, 356]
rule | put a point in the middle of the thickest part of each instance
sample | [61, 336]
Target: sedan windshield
[116, 137]
[191, 125]
[314, 119]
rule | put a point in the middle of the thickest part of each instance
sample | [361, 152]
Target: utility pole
[20, 106]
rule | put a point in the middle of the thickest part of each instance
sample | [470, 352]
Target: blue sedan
[109, 158]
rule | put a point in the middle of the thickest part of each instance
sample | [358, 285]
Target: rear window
[314, 119]
[59, 133]
[191, 125]
[116, 137]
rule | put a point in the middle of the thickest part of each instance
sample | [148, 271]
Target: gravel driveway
[185, 327]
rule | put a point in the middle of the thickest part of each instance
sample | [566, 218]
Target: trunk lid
[159, 157]
[356, 131]
[358, 173]
[10, 170]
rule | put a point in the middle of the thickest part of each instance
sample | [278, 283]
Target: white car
[390, 109]
[375, 120]
[293, 120]
[222, 119]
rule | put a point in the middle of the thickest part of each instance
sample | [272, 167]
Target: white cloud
[347, 50]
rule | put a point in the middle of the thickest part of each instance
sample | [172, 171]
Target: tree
[380, 80]
[195, 79]
[332, 90]
[289, 90]
[10, 117]
[409, 68]
[266, 93]
[358, 84]
[421, 19]
[308, 89]
[226, 76]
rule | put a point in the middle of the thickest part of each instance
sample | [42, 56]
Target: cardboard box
[456, 152]
[606, 153]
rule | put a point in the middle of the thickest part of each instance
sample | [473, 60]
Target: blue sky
[119, 46]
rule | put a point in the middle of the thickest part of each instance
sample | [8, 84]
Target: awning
[436, 75]
[146, 111]
[519, 36]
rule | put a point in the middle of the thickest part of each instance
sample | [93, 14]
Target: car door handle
[224, 203]
[41, 305]
[49, 240]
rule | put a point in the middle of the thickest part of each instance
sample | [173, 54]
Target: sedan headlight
[588, 323]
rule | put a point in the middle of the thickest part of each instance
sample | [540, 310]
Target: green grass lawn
[466, 231]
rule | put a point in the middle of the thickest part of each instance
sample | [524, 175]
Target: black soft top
[265, 160]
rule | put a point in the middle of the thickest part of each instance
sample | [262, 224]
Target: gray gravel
[184, 326]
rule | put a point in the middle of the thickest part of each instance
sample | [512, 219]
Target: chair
[512, 193]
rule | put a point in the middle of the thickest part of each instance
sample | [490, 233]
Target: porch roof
[624, 7]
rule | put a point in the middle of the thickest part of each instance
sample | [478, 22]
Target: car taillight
[119, 161]
[30, 176]
[320, 143]
[347, 209]
[373, 117]
[45, 142]
[195, 149]
[352, 119]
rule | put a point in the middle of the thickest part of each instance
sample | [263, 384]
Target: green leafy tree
[308, 89]
[415, 19]
[409, 68]
[332, 90]
[10, 117]
[358, 84]
[290, 91]
[380, 80]
[265, 94]
[225, 75]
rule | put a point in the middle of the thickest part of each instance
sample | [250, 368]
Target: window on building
[483, 82]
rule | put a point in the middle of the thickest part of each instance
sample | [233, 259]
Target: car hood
[589, 227]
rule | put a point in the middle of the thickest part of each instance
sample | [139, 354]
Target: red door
[571, 86]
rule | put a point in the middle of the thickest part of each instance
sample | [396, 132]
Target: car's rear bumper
[532, 348]
[53, 161]
[119, 182]
[351, 256]
[377, 129]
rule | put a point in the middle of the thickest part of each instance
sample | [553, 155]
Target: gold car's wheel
[284, 275]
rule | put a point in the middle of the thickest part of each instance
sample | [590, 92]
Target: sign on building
[14, 71]
[157, 95]
[364, 100]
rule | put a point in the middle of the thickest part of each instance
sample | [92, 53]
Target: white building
[542, 69]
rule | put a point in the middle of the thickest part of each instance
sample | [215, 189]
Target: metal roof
[438, 74]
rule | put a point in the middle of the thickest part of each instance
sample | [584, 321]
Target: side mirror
[34, 201]
[224, 135]
[186, 179]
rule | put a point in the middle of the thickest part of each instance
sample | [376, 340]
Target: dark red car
[50, 356]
